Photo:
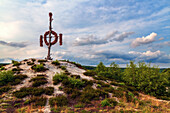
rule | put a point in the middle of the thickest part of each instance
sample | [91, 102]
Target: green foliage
[59, 77]
[18, 79]
[63, 68]
[109, 102]
[100, 68]
[39, 80]
[73, 83]
[79, 105]
[30, 63]
[39, 68]
[38, 101]
[6, 77]
[2, 68]
[15, 63]
[145, 78]
[115, 71]
[34, 91]
[90, 73]
[56, 62]
[4, 89]
[58, 100]
[89, 94]
[105, 102]
[49, 90]
[41, 61]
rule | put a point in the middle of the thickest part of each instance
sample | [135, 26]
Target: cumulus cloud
[13, 44]
[93, 40]
[144, 40]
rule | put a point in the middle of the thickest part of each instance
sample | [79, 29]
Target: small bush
[88, 94]
[41, 61]
[58, 100]
[33, 60]
[87, 82]
[63, 68]
[109, 102]
[56, 62]
[73, 83]
[6, 77]
[79, 105]
[59, 78]
[30, 63]
[39, 83]
[105, 102]
[38, 101]
[4, 89]
[39, 68]
[15, 63]
[25, 91]
[2, 68]
[75, 93]
[90, 73]
[39, 80]
[49, 90]
[118, 93]
[75, 76]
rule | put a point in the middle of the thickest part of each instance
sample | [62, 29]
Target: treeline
[142, 76]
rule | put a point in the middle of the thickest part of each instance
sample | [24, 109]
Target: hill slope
[36, 85]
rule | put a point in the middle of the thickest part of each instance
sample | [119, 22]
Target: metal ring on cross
[45, 37]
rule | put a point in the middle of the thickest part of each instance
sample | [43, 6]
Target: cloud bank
[144, 40]
[14, 44]
[93, 40]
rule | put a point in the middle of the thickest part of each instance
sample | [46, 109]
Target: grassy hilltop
[37, 86]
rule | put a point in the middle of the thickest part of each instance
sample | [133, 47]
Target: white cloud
[144, 40]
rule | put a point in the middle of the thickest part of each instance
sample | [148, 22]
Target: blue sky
[93, 30]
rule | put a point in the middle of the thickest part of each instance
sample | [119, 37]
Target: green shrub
[18, 79]
[56, 62]
[39, 83]
[75, 93]
[49, 90]
[73, 83]
[6, 77]
[26, 102]
[2, 68]
[17, 104]
[75, 76]
[88, 94]
[39, 68]
[33, 60]
[118, 93]
[109, 102]
[39, 80]
[88, 82]
[57, 78]
[41, 61]
[58, 100]
[129, 96]
[108, 89]
[38, 101]
[63, 68]
[90, 73]
[105, 102]
[30, 63]
[15, 63]
[79, 105]
[25, 91]
[4, 89]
